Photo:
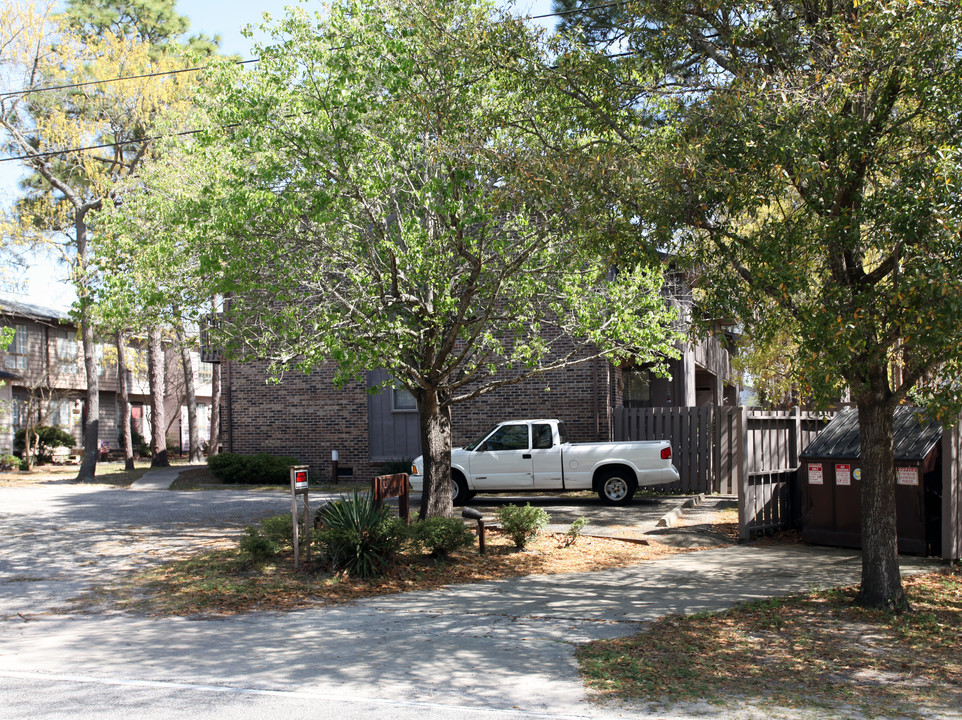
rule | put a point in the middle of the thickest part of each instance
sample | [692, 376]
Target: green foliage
[357, 537]
[522, 523]
[140, 445]
[574, 531]
[805, 167]
[394, 467]
[49, 438]
[260, 469]
[152, 21]
[440, 535]
[259, 546]
[279, 529]
[404, 212]
[8, 461]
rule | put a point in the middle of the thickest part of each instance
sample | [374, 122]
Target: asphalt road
[488, 650]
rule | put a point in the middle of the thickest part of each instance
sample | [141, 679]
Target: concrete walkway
[161, 478]
[494, 649]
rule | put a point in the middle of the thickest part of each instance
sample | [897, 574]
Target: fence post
[740, 468]
[951, 487]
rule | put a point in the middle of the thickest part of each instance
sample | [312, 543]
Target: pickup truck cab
[536, 455]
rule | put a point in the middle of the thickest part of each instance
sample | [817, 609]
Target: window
[508, 437]
[403, 400]
[68, 352]
[16, 357]
[19, 409]
[205, 373]
[637, 391]
[542, 437]
[59, 415]
[101, 366]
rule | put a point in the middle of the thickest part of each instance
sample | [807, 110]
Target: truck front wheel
[616, 487]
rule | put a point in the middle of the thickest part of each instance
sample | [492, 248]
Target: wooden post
[952, 492]
[740, 470]
[299, 483]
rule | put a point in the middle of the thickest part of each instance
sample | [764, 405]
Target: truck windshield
[477, 441]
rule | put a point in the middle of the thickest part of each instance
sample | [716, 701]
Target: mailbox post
[299, 482]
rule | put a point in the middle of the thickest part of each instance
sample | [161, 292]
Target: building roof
[914, 436]
[10, 306]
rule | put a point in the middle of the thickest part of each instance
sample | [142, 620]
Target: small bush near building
[358, 538]
[260, 469]
[9, 461]
[522, 523]
[395, 467]
[50, 438]
[440, 536]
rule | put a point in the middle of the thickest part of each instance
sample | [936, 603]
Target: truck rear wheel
[616, 487]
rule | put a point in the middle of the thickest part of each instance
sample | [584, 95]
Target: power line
[31, 91]
[18, 93]
[184, 133]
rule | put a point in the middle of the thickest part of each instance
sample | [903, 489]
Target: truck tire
[616, 486]
[459, 489]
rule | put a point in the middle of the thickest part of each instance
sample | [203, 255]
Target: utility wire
[31, 91]
[184, 133]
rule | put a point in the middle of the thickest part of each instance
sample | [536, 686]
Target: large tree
[804, 155]
[391, 192]
[79, 136]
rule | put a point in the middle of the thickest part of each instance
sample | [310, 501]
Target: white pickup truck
[536, 455]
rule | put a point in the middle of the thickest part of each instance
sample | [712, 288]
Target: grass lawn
[817, 651]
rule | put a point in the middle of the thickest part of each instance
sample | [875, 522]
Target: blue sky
[44, 279]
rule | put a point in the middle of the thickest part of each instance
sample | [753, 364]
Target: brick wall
[307, 417]
[304, 416]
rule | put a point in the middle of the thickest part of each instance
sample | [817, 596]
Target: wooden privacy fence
[753, 453]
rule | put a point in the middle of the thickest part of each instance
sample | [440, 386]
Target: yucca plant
[357, 537]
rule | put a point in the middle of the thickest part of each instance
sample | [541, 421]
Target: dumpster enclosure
[830, 475]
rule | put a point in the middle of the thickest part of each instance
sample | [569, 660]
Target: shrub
[260, 469]
[394, 467]
[141, 447]
[257, 545]
[358, 538]
[50, 438]
[279, 529]
[574, 532]
[441, 535]
[522, 523]
[9, 461]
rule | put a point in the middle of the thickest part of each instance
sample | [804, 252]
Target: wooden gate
[753, 453]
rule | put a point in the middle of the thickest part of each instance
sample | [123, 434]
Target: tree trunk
[91, 432]
[435, 422]
[124, 401]
[214, 444]
[193, 432]
[158, 423]
[881, 580]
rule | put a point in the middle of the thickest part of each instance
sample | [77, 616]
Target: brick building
[43, 375]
